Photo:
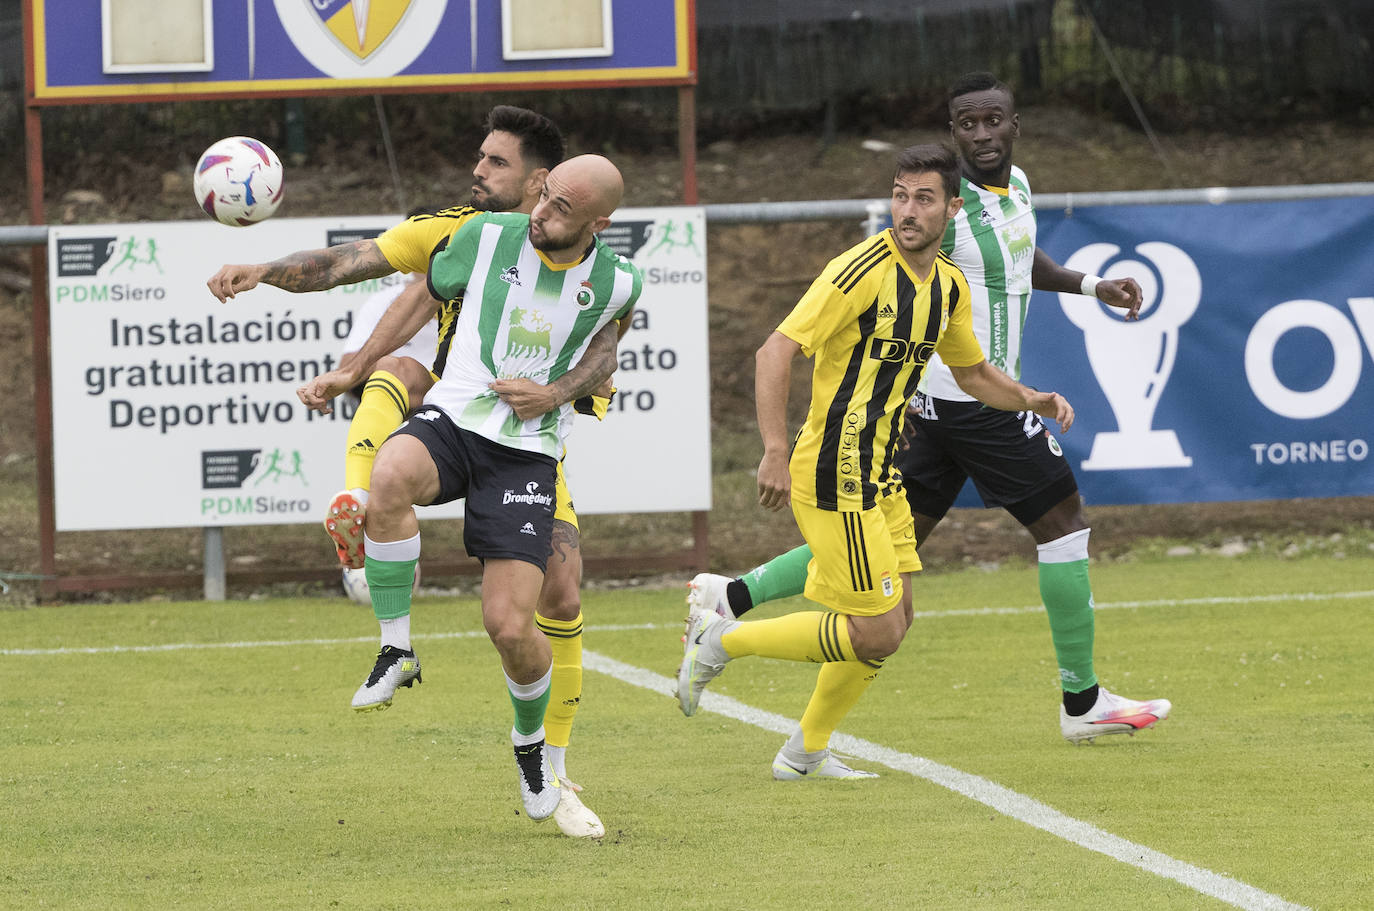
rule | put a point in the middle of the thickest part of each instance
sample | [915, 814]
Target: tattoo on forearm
[595, 367]
[316, 270]
[565, 540]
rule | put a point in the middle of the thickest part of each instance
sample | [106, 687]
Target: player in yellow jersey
[871, 321]
[519, 149]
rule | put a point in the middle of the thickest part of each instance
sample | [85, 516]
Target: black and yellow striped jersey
[871, 327]
[410, 246]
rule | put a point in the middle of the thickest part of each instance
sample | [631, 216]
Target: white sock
[524, 740]
[396, 632]
[558, 758]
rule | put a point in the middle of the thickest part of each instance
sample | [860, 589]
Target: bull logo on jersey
[530, 334]
[1132, 361]
[1019, 243]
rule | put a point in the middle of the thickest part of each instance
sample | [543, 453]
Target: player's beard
[485, 201]
[546, 242]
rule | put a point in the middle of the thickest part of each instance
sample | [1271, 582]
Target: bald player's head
[579, 196]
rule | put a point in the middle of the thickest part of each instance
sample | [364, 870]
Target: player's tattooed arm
[592, 370]
[316, 270]
[307, 270]
[529, 399]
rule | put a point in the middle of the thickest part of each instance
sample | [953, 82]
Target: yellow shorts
[857, 557]
[562, 501]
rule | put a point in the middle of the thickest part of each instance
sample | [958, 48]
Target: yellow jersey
[871, 327]
[409, 247]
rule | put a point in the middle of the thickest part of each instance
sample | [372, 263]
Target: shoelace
[528, 758]
[386, 659]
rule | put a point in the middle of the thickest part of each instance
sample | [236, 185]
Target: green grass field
[203, 756]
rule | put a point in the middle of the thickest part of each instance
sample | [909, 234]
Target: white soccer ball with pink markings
[238, 181]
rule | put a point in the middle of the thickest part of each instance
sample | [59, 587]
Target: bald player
[541, 292]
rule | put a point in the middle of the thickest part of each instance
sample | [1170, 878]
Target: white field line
[920, 615]
[1004, 800]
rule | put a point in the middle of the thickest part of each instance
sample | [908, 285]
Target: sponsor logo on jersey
[528, 529]
[511, 276]
[531, 335]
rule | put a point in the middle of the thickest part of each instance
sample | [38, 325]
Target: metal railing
[845, 209]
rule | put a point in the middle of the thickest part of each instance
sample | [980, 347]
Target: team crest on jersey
[530, 334]
[584, 296]
[1021, 198]
[511, 276]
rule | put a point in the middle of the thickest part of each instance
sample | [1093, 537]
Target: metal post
[214, 562]
[42, 363]
[876, 213]
[687, 142]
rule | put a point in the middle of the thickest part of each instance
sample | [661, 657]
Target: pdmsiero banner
[1250, 373]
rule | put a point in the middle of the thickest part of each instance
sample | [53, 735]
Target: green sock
[1068, 597]
[781, 577]
[390, 583]
[530, 701]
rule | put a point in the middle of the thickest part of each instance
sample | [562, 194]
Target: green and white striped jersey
[522, 316]
[992, 240]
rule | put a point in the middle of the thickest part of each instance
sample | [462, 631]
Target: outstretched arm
[529, 399]
[772, 383]
[1048, 275]
[992, 387]
[306, 270]
[411, 309]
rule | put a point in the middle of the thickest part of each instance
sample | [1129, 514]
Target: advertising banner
[113, 50]
[173, 410]
[1250, 373]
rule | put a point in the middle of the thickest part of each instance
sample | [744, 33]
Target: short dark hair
[980, 81]
[935, 157]
[541, 143]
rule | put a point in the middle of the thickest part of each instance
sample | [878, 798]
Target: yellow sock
[565, 688]
[385, 404]
[818, 636]
[838, 687]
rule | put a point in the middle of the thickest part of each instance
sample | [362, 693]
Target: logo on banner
[1132, 361]
[86, 256]
[627, 238]
[227, 468]
[350, 39]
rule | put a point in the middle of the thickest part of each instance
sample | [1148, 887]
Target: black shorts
[510, 492]
[1014, 461]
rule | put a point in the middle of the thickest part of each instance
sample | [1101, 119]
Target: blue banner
[1250, 373]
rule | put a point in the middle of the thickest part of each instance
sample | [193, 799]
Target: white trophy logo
[1132, 361]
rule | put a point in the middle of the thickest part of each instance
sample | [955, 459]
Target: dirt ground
[755, 274]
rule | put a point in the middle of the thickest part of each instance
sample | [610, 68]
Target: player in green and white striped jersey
[533, 319]
[1013, 460]
[538, 329]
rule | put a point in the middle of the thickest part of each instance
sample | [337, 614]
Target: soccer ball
[238, 181]
[355, 585]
